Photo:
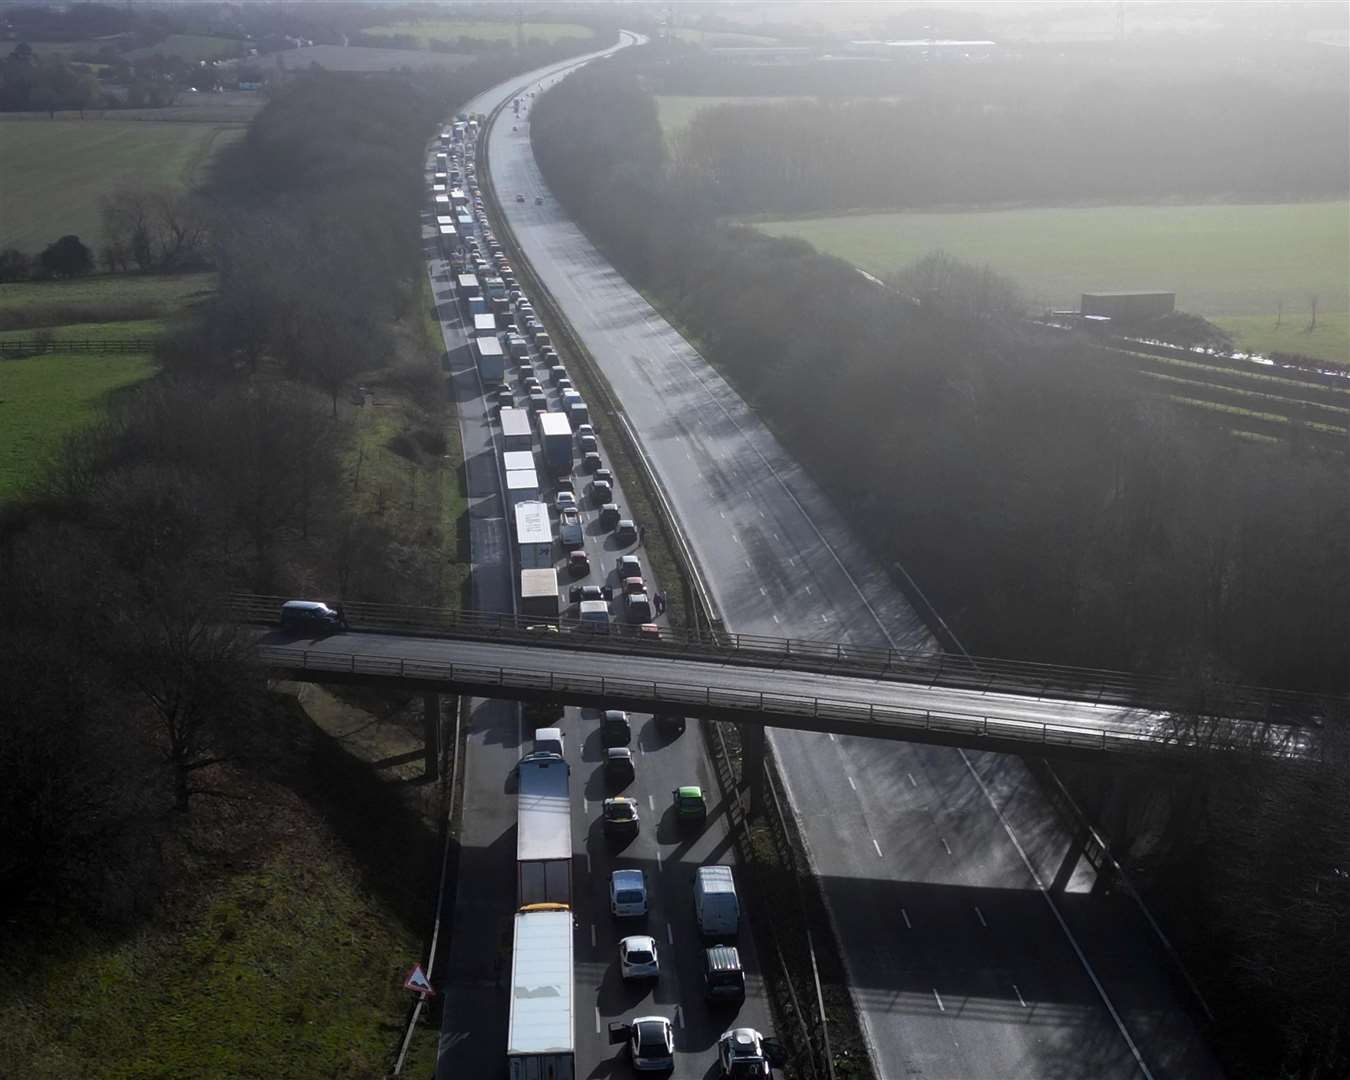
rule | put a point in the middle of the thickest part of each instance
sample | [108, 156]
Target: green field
[53, 172]
[449, 29]
[170, 290]
[713, 39]
[191, 47]
[1233, 264]
[45, 398]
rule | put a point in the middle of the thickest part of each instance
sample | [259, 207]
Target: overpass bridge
[758, 682]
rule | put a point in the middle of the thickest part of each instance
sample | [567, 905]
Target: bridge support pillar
[752, 767]
[431, 735]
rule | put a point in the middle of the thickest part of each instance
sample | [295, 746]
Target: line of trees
[1021, 129]
[125, 695]
[1050, 510]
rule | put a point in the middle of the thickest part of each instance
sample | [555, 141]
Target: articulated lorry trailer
[540, 1041]
[544, 831]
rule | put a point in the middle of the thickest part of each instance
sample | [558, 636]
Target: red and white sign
[418, 982]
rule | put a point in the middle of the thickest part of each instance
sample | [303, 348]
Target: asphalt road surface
[477, 977]
[973, 943]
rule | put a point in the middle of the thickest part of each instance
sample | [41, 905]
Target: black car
[619, 768]
[620, 816]
[603, 475]
[590, 461]
[615, 728]
[609, 515]
[601, 492]
[577, 593]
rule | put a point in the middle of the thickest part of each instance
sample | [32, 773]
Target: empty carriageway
[769, 682]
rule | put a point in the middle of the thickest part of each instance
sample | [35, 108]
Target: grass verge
[407, 464]
[295, 900]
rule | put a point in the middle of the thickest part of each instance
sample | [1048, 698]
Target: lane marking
[878, 847]
[831, 734]
[763, 591]
[597, 1019]
[912, 781]
[852, 784]
[679, 1017]
[747, 563]
[939, 1000]
[808, 590]
[980, 915]
[651, 803]
[736, 538]
[658, 856]
[905, 915]
[777, 619]
[1020, 1000]
[946, 846]
[592, 935]
[670, 936]
[721, 515]
[1059, 918]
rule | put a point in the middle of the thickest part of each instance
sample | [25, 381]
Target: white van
[548, 740]
[716, 906]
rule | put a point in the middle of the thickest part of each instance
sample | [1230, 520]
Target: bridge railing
[983, 674]
[1162, 737]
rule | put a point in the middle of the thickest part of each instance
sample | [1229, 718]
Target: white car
[627, 894]
[745, 1053]
[651, 1044]
[638, 959]
[566, 500]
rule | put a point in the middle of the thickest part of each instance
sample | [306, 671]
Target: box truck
[539, 593]
[556, 435]
[540, 1032]
[544, 831]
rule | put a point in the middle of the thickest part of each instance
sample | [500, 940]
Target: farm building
[1129, 306]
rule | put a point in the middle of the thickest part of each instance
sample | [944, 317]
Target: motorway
[974, 943]
[477, 975]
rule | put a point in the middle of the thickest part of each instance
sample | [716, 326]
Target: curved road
[475, 979]
[973, 943]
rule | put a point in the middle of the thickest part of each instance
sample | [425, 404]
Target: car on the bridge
[689, 804]
[301, 615]
[628, 891]
[650, 1040]
[619, 816]
[638, 958]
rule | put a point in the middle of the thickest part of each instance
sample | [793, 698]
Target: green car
[689, 804]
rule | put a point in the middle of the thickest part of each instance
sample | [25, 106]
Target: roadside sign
[418, 982]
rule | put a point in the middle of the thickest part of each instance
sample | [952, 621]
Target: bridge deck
[777, 697]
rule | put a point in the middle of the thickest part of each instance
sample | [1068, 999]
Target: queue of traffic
[557, 493]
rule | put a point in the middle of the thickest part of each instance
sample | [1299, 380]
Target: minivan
[300, 615]
[716, 906]
[723, 976]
